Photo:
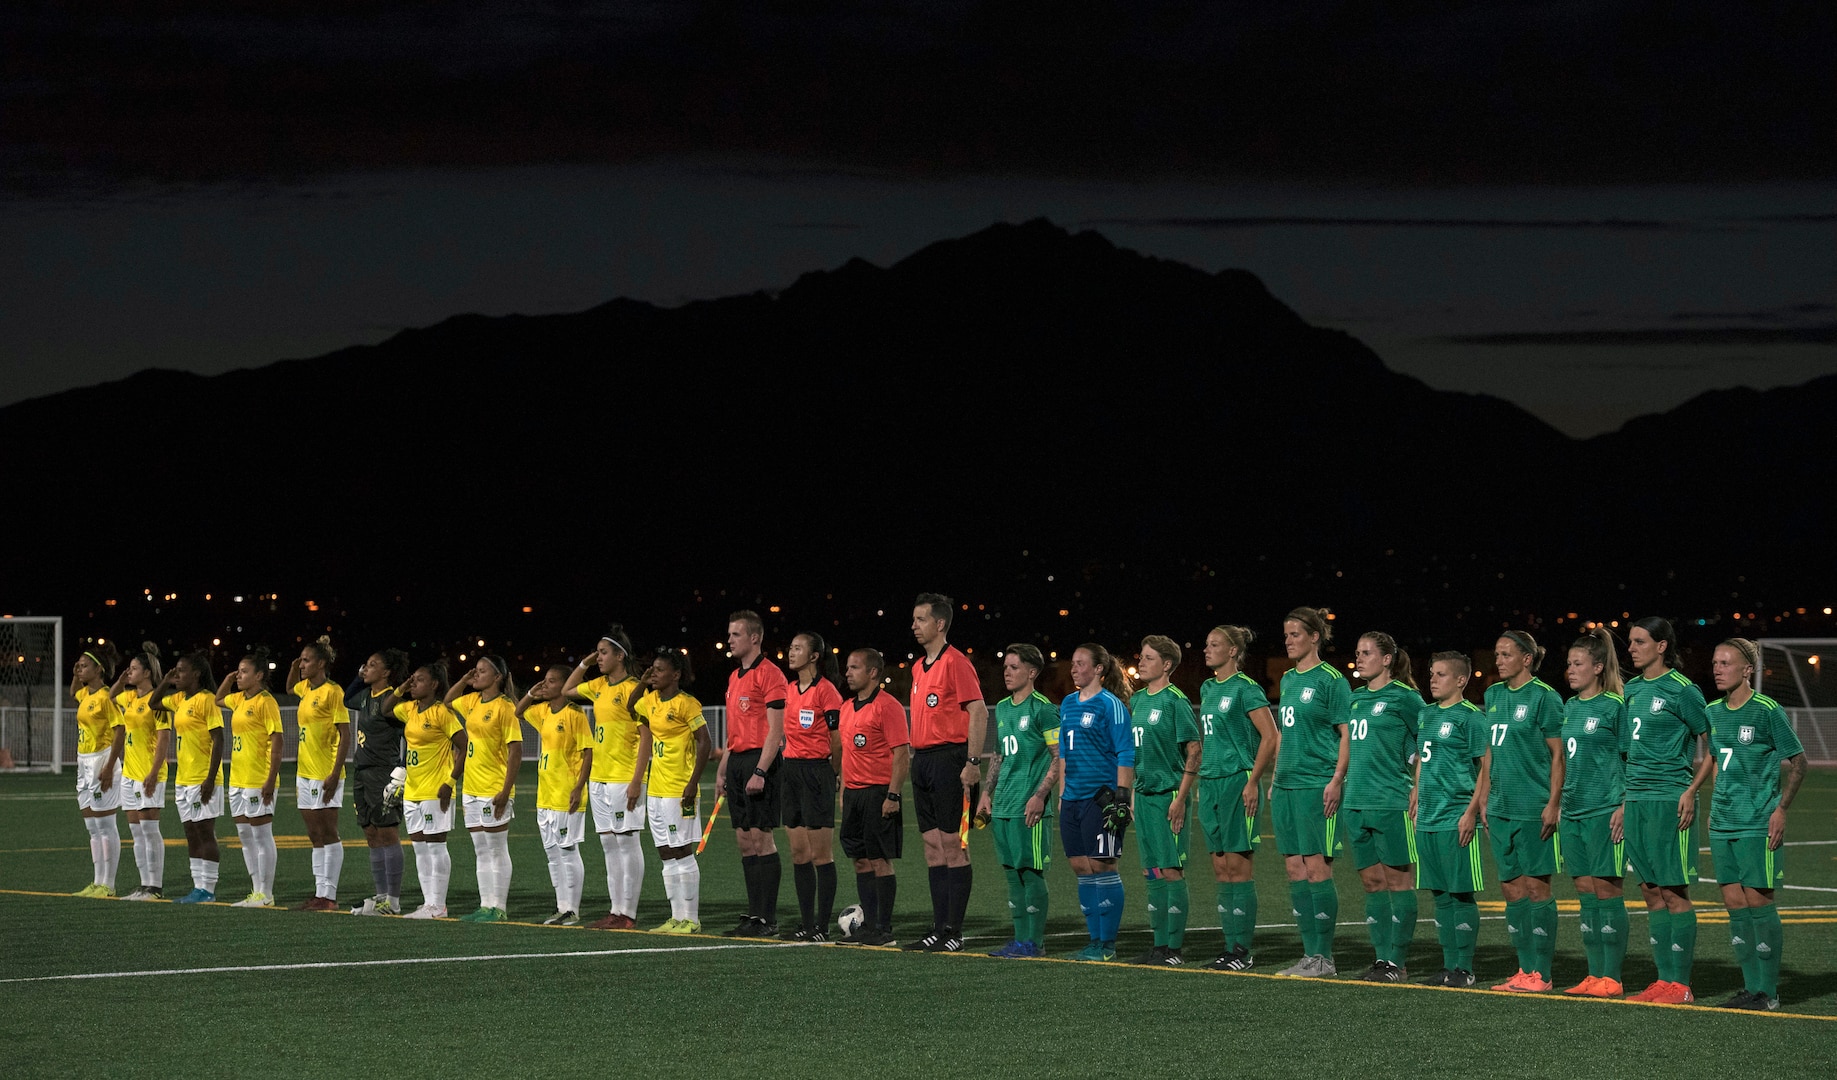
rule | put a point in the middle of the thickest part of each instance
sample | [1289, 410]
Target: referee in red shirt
[875, 757]
[748, 772]
[949, 722]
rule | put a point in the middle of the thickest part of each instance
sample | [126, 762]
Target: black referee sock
[771, 875]
[959, 899]
[870, 899]
[825, 895]
[803, 875]
[749, 867]
[887, 887]
[940, 896]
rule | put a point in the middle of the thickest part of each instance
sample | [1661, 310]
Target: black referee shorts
[751, 811]
[937, 786]
[865, 833]
[807, 790]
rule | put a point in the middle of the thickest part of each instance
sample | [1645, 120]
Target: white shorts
[427, 817]
[247, 802]
[560, 829]
[90, 795]
[192, 809]
[134, 797]
[668, 826]
[609, 813]
[311, 794]
[480, 814]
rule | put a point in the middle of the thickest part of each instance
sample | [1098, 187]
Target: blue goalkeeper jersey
[1095, 738]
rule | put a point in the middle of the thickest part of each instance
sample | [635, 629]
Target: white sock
[158, 841]
[204, 874]
[93, 827]
[111, 850]
[558, 876]
[264, 843]
[631, 857]
[439, 872]
[421, 859]
[334, 867]
[251, 855]
[143, 851]
[575, 872]
[501, 843]
[318, 871]
[672, 888]
[485, 858]
[615, 873]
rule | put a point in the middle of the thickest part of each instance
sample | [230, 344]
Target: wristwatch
[975, 761]
[759, 772]
[894, 796]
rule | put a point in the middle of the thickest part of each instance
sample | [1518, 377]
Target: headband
[615, 645]
[494, 666]
[97, 660]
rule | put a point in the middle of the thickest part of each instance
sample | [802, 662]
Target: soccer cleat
[1323, 968]
[1238, 959]
[1675, 993]
[1583, 988]
[155, 892]
[1605, 988]
[818, 937]
[613, 921]
[923, 944]
[569, 918]
[1299, 967]
[1384, 972]
[368, 907]
[1006, 952]
[1170, 957]
[137, 894]
[1150, 958]
[555, 919]
[1511, 983]
[879, 937]
[1029, 951]
[1461, 978]
[668, 926]
[319, 903]
[1740, 999]
[1526, 982]
[254, 899]
[474, 916]
[1650, 993]
[197, 896]
[801, 933]
[492, 914]
[1440, 978]
[87, 890]
[684, 926]
[104, 892]
[748, 927]
[427, 911]
[948, 943]
[386, 906]
[1094, 952]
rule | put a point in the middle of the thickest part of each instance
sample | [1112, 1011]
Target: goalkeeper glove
[1116, 814]
[392, 791]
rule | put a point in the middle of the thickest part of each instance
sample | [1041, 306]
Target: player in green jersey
[1666, 711]
[1596, 734]
[1023, 771]
[1237, 746]
[1753, 745]
[1382, 729]
[1310, 777]
[1166, 765]
[1453, 766]
[1524, 723]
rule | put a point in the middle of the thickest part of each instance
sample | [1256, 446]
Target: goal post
[33, 708]
[1795, 672]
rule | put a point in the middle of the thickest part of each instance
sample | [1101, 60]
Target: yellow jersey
[492, 728]
[252, 720]
[429, 734]
[144, 721]
[565, 735]
[97, 714]
[673, 724]
[615, 730]
[320, 713]
[193, 719]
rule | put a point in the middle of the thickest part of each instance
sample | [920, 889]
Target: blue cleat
[1026, 950]
[196, 896]
[1008, 951]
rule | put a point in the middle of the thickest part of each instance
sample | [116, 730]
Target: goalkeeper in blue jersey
[1097, 743]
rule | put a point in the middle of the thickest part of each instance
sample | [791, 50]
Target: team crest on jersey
[1022, 724]
[1658, 704]
[1086, 720]
[1746, 735]
[931, 701]
[1377, 709]
[860, 741]
[1154, 716]
[1589, 725]
[1225, 704]
[1447, 729]
[1307, 694]
[1518, 713]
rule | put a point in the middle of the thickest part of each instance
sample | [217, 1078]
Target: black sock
[771, 875]
[870, 899]
[886, 887]
[749, 867]
[959, 898]
[803, 875]
[825, 895]
[940, 896]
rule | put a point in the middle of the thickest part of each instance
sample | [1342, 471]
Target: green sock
[1613, 929]
[1157, 909]
[1591, 937]
[1034, 883]
[1378, 922]
[1179, 901]
[1683, 945]
[1301, 897]
[1518, 929]
[1658, 928]
[1404, 916]
[1326, 917]
[1227, 904]
[1017, 901]
[1742, 932]
[1247, 904]
[1769, 935]
[1466, 932]
[1543, 937]
[1444, 928]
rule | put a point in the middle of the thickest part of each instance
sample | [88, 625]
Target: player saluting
[197, 727]
[562, 770]
[148, 745]
[255, 764]
[1452, 766]
[1166, 763]
[101, 742]
[435, 742]
[1022, 774]
[671, 754]
[949, 722]
[374, 767]
[1666, 711]
[613, 692]
[748, 772]
[1753, 743]
[1596, 734]
[325, 743]
[1382, 729]
[1524, 723]
[1097, 744]
[1237, 744]
[485, 699]
[1310, 776]
[876, 755]
[813, 708]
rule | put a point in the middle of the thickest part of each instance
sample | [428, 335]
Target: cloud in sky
[1708, 335]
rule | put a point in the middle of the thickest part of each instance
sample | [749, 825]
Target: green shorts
[1745, 859]
[1660, 852]
[1221, 815]
[1380, 836]
[1443, 865]
[1161, 847]
[1589, 849]
[1519, 848]
[1302, 827]
[1020, 845]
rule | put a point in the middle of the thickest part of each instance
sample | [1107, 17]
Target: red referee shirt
[750, 692]
[941, 692]
[870, 733]
[807, 718]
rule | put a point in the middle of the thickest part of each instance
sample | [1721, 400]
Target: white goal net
[33, 708]
[1795, 672]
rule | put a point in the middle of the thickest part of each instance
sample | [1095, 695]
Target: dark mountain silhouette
[1030, 419]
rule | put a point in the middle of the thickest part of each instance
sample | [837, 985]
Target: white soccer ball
[850, 920]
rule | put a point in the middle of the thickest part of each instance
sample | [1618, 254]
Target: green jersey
[1228, 740]
[1028, 735]
[1452, 742]
[1518, 723]
[1163, 721]
[1665, 712]
[1596, 734]
[1749, 744]
[1309, 712]
[1382, 726]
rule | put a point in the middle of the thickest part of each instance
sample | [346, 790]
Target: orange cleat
[1529, 982]
[1650, 993]
[1511, 983]
[1675, 994]
[1585, 988]
[1607, 988]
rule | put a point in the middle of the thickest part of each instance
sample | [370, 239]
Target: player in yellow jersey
[434, 741]
[615, 757]
[149, 747]
[101, 741]
[325, 743]
[255, 766]
[486, 699]
[562, 767]
[197, 728]
[670, 758]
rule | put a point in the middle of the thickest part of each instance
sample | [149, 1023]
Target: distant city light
[1812, 660]
[216, 641]
[236, 599]
[773, 609]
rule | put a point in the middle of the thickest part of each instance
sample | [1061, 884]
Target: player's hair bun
[150, 649]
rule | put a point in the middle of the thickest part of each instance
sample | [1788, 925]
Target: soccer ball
[850, 920]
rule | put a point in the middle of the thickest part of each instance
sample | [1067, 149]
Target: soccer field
[105, 987]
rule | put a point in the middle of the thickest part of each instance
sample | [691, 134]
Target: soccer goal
[1793, 674]
[33, 710]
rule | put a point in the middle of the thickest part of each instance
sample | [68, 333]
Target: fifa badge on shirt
[1746, 735]
[860, 741]
[1307, 693]
[1447, 729]
[1154, 716]
[1518, 713]
[1658, 704]
[1589, 725]
[1377, 708]
[931, 701]
[806, 718]
[744, 702]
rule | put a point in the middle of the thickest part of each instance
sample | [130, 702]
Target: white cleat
[427, 911]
